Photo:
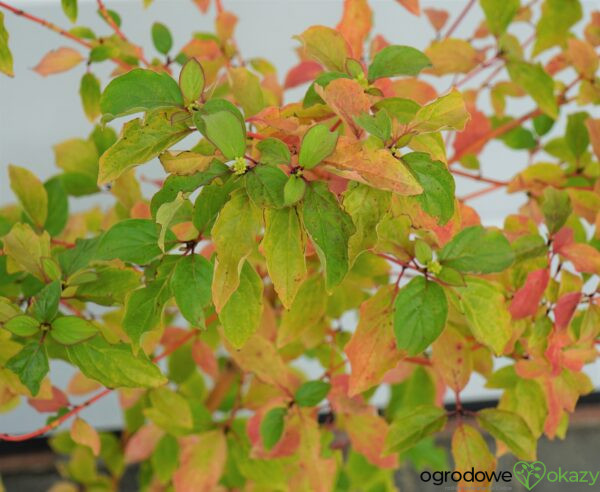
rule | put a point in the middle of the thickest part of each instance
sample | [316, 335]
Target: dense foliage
[280, 225]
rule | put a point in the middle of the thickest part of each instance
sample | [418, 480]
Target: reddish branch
[78, 408]
[460, 18]
[481, 192]
[111, 22]
[45, 23]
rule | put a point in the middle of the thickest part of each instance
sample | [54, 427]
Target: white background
[37, 112]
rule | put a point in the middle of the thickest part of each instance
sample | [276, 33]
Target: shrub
[281, 223]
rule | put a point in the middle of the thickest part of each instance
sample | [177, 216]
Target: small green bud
[239, 166]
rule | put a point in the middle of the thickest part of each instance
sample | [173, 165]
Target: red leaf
[305, 71]
[565, 308]
[585, 258]
[411, 5]
[527, 298]
[58, 401]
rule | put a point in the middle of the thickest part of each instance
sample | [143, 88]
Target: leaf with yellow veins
[283, 246]
[234, 235]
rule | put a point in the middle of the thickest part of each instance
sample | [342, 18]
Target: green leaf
[242, 313]
[133, 240]
[31, 193]
[317, 144]
[329, 228]
[45, 304]
[312, 97]
[174, 184]
[486, 313]
[294, 190]
[114, 366]
[397, 60]
[542, 124]
[166, 214]
[556, 207]
[477, 250]
[143, 310]
[190, 283]
[404, 110]
[71, 329]
[558, 16]
[6, 59]
[161, 38]
[283, 246]
[367, 206]
[234, 235]
[311, 393]
[265, 185]
[245, 87]
[511, 429]
[30, 365]
[438, 185]
[577, 136]
[420, 311]
[58, 206]
[70, 9]
[379, 125]
[169, 410]
[139, 142]
[534, 80]
[90, 92]
[307, 309]
[209, 203]
[222, 128]
[271, 427]
[22, 325]
[499, 14]
[139, 90]
[273, 152]
[411, 426]
[165, 458]
[446, 112]
[191, 81]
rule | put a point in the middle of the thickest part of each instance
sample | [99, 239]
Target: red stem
[482, 192]
[75, 410]
[459, 19]
[45, 23]
[476, 177]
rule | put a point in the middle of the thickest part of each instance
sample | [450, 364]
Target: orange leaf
[305, 71]
[84, 434]
[356, 24]
[585, 258]
[372, 349]
[141, 445]
[205, 359]
[527, 299]
[202, 5]
[375, 167]
[415, 89]
[366, 429]
[225, 25]
[377, 44]
[437, 18]
[59, 60]
[411, 5]
[201, 463]
[452, 358]
[347, 99]
[477, 127]
[81, 385]
[593, 127]
[58, 401]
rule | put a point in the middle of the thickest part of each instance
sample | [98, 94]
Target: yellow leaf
[327, 46]
[84, 434]
[452, 56]
[184, 163]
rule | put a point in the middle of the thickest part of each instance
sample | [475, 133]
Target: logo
[529, 474]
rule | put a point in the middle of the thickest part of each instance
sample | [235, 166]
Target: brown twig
[459, 19]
